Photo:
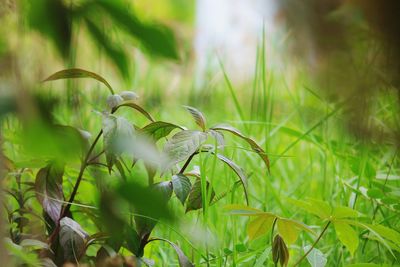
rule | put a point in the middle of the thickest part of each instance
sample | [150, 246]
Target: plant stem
[188, 162]
[314, 244]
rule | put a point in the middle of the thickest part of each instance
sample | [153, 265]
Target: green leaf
[181, 185]
[347, 236]
[53, 20]
[132, 241]
[133, 105]
[316, 258]
[256, 148]
[113, 51]
[238, 171]
[182, 145]
[198, 117]
[318, 208]
[344, 212]
[263, 257]
[261, 225]
[72, 239]
[117, 133]
[195, 200]
[288, 230]
[156, 39]
[160, 129]
[366, 265]
[386, 232]
[78, 73]
[49, 191]
[375, 193]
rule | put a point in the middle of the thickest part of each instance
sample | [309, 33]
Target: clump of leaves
[128, 211]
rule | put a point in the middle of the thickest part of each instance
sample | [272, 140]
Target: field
[111, 159]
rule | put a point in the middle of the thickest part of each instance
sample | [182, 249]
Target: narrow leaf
[78, 73]
[135, 106]
[316, 258]
[197, 116]
[256, 148]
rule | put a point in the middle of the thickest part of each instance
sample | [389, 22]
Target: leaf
[117, 133]
[262, 258]
[133, 105]
[182, 145]
[386, 232]
[197, 116]
[344, 212]
[366, 265]
[316, 258]
[49, 192]
[288, 230]
[113, 51]
[78, 73]
[318, 208]
[183, 260]
[256, 148]
[132, 241]
[53, 20]
[238, 171]
[242, 210]
[156, 39]
[261, 225]
[347, 236]
[72, 239]
[195, 200]
[35, 244]
[160, 129]
[375, 193]
[181, 185]
[219, 137]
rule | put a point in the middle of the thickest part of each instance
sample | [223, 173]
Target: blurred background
[317, 83]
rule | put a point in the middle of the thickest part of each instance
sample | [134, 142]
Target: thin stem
[313, 245]
[188, 162]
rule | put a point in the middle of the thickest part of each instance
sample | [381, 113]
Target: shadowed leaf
[195, 200]
[181, 185]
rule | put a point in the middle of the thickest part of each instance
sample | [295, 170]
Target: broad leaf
[386, 232]
[316, 258]
[238, 171]
[219, 137]
[78, 73]
[316, 207]
[344, 212]
[72, 239]
[182, 145]
[160, 129]
[132, 241]
[256, 148]
[181, 185]
[197, 116]
[49, 192]
[288, 230]
[347, 236]
[195, 200]
[261, 225]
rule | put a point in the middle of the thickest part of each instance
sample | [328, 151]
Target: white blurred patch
[230, 30]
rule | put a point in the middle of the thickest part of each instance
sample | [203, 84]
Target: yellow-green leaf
[288, 230]
[347, 236]
[260, 226]
[243, 210]
[344, 212]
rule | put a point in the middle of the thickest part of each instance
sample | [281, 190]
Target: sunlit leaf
[78, 73]
[316, 207]
[198, 117]
[261, 225]
[182, 186]
[49, 191]
[242, 210]
[288, 230]
[256, 148]
[344, 212]
[347, 236]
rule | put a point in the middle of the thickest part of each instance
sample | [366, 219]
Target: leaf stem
[314, 244]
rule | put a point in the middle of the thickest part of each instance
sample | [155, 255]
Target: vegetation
[97, 174]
